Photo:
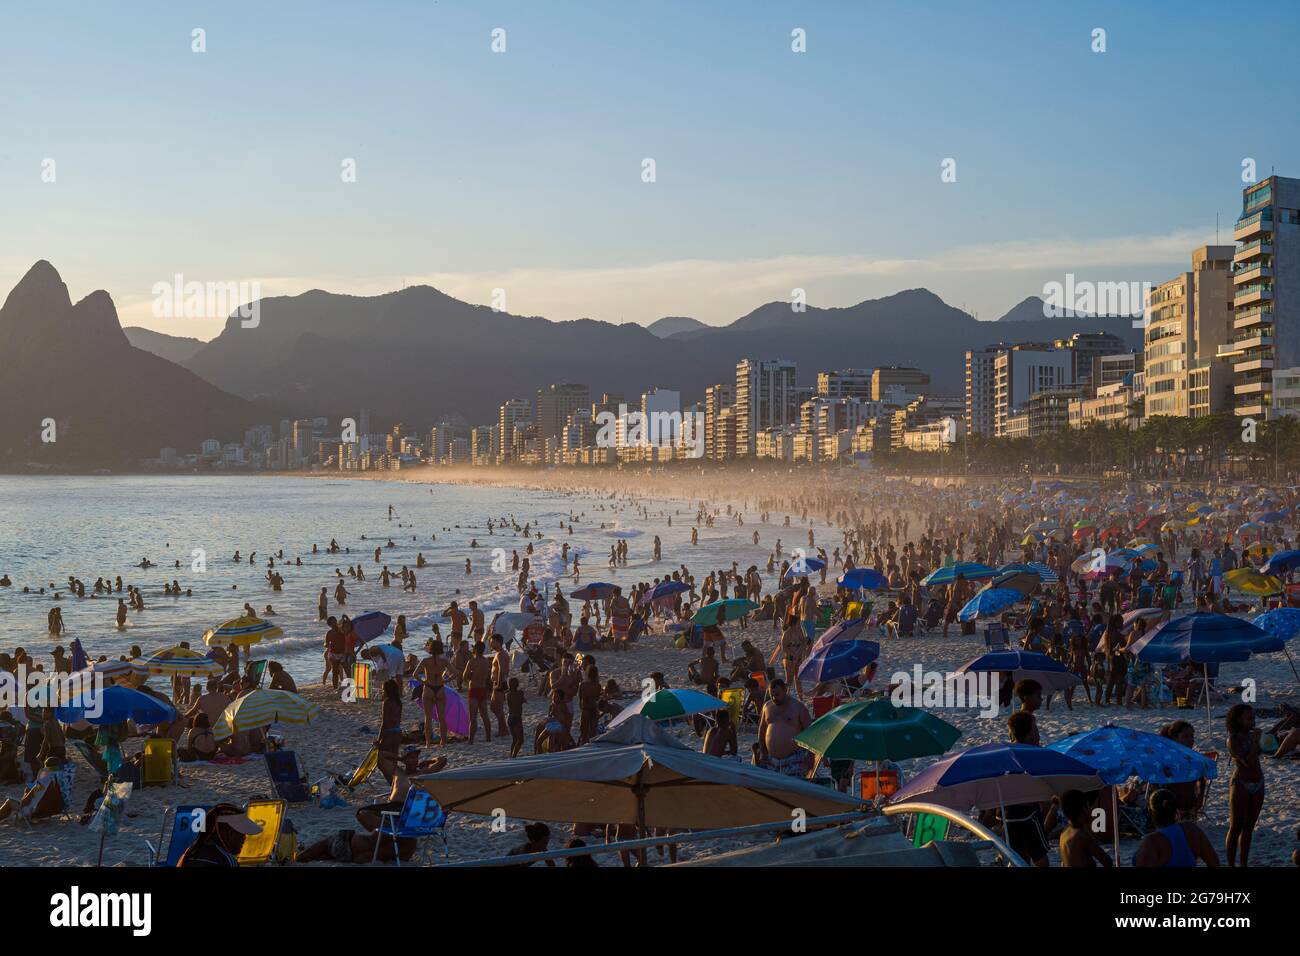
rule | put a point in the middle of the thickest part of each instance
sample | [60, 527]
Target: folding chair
[159, 764]
[995, 635]
[735, 698]
[91, 756]
[877, 783]
[928, 828]
[824, 705]
[257, 849]
[183, 834]
[420, 819]
[365, 770]
[288, 776]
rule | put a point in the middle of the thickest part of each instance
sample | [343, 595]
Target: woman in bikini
[1246, 789]
[431, 672]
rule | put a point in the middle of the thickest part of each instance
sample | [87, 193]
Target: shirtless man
[476, 625]
[1079, 846]
[478, 674]
[458, 622]
[783, 718]
[500, 680]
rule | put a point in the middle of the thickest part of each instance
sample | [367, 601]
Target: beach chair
[995, 635]
[735, 698]
[91, 756]
[184, 831]
[365, 770]
[288, 776]
[877, 783]
[905, 624]
[824, 705]
[257, 849]
[420, 819]
[158, 765]
[928, 828]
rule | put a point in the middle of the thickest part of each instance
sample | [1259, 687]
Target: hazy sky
[522, 170]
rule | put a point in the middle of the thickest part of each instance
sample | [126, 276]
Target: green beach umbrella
[729, 610]
[669, 703]
[877, 730]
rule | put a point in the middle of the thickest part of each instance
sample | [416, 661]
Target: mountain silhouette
[419, 355]
[174, 348]
[111, 403]
[671, 325]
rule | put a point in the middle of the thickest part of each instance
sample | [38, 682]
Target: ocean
[53, 527]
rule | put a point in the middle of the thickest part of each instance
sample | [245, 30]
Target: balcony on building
[1254, 226]
[1250, 294]
[1253, 250]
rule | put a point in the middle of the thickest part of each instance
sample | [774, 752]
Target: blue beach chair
[183, 834]
[288, 776]
[420, 819]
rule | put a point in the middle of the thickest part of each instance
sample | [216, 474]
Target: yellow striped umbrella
[1261, 548]
[1251, 581]
[242, 630]
[172, 661]
[262, 708]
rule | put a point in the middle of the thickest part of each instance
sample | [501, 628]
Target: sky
[127, 158]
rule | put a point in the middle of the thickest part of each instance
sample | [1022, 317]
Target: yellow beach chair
[159, 764]
[257, 849]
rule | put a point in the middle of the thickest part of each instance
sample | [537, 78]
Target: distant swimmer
[4, 581]
[468, 568]
[390, 512]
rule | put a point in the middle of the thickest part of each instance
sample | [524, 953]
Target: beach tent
[635, 774]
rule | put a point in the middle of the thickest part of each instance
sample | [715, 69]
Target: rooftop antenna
[1216, 228]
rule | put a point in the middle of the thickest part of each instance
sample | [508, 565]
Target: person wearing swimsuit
[433, 696]
[1173, 844]
[1246, 789]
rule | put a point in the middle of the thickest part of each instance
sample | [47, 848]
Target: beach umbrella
[1271, 517]
[638, 774]
[1045, 574]
[1248, 528]
[1148, 613]
[1051, 673]
[369, 626]
[454, 707]
[242, 631]
[837, 660]
[990, 602]
[719, 612]
[262, 708]
[1281, 563]
[1283, 622]
[993, 775]
[1204, 638]
[115, 705]
[1174, 525]
[1118, 753]
[969, 570]
[801, 567]
[847, 630]
[1250, 581]
[1081, 564]
[877, 730]
[863, 579]
[595, 591]
[1105, 566]
[1023, 579]
[177, 661]
[1261, 548]
[670, 703]
[112, 669]
[664, 589]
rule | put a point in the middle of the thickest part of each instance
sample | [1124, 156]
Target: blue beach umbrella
[595, 591]
[994, 775]
[804, 566]
[1051, 673]
[841, 631]
[838, 659]
[1204, 638]
[1283, 622]
[1117, 753]
[719, 611]
[1280, 563]
[989, 603]
[969, 570]
[115, 705]
[370, 625]
[1045, 573]
[863, 579]
[665, 589]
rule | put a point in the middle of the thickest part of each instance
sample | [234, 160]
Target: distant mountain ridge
[111, 403]
[421, 352]
[671, 325]
[174, 348]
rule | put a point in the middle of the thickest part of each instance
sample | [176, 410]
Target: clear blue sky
[522, 170]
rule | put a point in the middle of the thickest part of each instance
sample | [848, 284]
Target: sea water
[53, 527]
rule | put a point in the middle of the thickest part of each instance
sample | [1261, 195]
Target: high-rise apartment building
[554, 405]
[766, 397]
[1266, 299]
[911, 379]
